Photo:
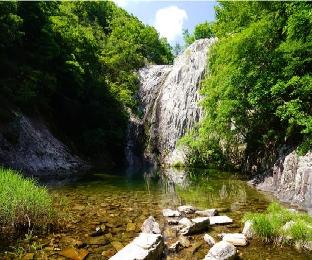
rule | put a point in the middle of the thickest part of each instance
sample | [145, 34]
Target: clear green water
[121, 201]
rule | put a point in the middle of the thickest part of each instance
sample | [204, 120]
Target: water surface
[120, 201]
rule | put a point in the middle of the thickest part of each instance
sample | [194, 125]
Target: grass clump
[279, 224]
[24, 206]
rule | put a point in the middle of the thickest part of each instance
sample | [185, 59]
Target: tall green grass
[24, 206]
[271, 226]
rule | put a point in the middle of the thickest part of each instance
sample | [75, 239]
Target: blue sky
[170, 17]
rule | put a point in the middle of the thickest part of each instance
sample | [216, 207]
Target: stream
[120, 201]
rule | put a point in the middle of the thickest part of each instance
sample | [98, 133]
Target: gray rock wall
[27, 144]
[291, 179]
[169, 97]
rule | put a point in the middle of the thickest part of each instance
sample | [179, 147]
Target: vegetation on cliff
[257, 94]
[75, 62]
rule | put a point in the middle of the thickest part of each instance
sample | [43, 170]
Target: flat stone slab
[237, 239]
[187, 209]
[207, 212]
[197, 225]
[220, 220]
[171, 213]
[144, 247]
[221, 251]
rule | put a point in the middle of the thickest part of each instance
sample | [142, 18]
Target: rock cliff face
[169, 102]
[27, 144]
[291, 179]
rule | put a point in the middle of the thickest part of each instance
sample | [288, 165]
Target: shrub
[24, 206]
[270, 225]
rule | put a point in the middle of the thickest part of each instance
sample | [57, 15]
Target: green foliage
[201, 31]
[257, 94]
[24, 206]
[270, 225]
[76, 63]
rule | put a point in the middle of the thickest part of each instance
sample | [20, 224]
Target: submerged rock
[171, 213]
[237, 239]
[150, 226]
[187, 209]
[144, 247]
[74, 254]
[209, 239]
[98, 232]
[221, 251]
[219, 220]
[207, 212]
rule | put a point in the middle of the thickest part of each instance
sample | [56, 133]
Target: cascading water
[169, 98]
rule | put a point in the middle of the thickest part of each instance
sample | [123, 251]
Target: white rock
[207, 212]
[198, 225]
[150, 226]
[172, 221]
[171, 213]
[237, 239]
[185, 222]
[187, 209]
[209, 239]
[144, 247]
[248, 230]
[214, 220]
[221, 251]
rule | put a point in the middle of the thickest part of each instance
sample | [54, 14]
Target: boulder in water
[171, 213]
[150, 226]
[221, 251]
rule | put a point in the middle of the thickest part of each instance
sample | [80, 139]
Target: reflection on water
[121, 201]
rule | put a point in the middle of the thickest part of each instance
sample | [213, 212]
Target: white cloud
[120, 3]
[169, 22]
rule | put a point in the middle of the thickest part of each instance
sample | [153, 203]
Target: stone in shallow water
[117, 245]
[173, 221]
[98, 241]
[187, 209]
[207, 212]
[175, 247]
[185, 222]
[150, 226]
[237, 239]
[221, 251]
[144, 247]
[209, 239]
[131, 226]
[171, 213]
[214, 220]
[74, 254]
[197, 225]
[248, 230]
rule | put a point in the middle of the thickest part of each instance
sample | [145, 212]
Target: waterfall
[168, 97]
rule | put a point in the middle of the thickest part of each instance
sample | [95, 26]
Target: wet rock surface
[169, 102]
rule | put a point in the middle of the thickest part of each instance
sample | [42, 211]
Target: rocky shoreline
[153, 244]
[289, 180]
